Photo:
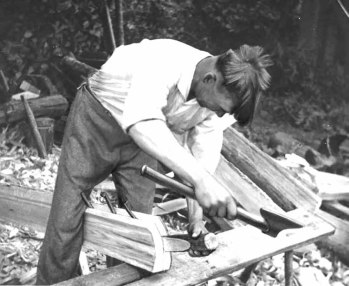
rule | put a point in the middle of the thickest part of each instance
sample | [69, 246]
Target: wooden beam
[332, 186]
[246, 192]
[274, 180]
[135, 241]
[113, 276]
[25, 206]
[336, 208]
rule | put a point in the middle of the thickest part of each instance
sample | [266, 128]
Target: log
[138, 242]
[52, 106]
[275, 181]
[77, 66]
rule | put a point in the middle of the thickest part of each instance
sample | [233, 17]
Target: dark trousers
[94, 146]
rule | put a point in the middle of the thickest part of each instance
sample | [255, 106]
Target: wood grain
[243, 189]
[237, 249]
[135, 241]
[25, 206]
[275, 181]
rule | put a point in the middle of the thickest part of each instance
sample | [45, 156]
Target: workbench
[238, 248]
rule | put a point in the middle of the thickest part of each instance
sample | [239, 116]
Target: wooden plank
[113, 276]
[332, 186]
[25, 206]
[237, 249]
[246, 192]
[336, 208]
[275, 181]
[134, 241]
[169, 207]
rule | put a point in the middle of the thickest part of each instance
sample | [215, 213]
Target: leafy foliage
[32, 31]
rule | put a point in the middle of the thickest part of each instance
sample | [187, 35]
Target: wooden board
[336, 208]
[113, 276]
[25, 206]
[331, 186]
[275, 181]
[134, 241]
[237, 249]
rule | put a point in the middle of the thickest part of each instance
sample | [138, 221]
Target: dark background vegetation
[307, 39]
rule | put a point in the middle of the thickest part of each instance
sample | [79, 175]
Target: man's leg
[139, 191]
[89, 154]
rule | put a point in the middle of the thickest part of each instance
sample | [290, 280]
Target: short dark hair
[244, 72]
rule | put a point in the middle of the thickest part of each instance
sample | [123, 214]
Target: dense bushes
[31, 31]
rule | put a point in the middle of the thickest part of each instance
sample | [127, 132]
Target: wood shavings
[19, 255]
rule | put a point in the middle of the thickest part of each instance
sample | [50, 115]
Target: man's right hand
[214, 198]
[155, 138]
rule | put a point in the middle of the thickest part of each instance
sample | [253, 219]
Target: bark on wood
[274, 180]
[53, 106]
[34, 129]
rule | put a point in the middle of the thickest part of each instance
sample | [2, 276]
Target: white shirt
[151, 80]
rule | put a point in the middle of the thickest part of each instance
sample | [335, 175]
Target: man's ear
[210, 76]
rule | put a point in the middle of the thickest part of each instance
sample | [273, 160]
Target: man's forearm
[157, 140]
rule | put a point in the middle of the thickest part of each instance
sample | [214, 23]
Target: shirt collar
[186, 77]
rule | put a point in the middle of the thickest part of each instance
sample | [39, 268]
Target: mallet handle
[188, 191]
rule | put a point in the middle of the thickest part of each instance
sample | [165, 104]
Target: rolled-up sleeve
[147, 96]
[205, 140]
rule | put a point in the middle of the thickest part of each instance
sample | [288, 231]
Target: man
[155, 100]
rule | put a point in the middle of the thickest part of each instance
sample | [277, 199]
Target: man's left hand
[197, 231]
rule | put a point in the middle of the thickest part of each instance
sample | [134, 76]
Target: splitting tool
[269, 222]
